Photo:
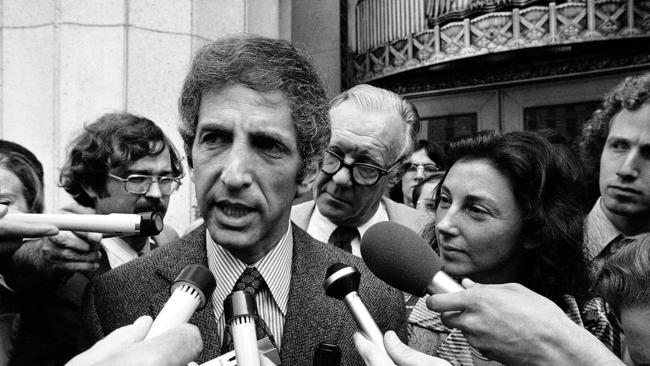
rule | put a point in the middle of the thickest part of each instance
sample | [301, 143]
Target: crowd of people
[547, 278]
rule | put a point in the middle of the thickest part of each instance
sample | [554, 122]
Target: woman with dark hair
[427, 159]
[22, 173]
[21, 189]
[424, 193]
[507, 211]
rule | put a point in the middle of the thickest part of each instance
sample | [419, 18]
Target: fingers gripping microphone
[146, 223]
[189, 292]
[342, 282]
[240, 312]
[402, 259]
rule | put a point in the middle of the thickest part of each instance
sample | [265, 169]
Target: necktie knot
[250, 281]
[342, 237]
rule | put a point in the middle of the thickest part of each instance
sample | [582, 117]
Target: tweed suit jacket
[397, 212]
[141, 287]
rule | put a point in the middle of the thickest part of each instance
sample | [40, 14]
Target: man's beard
[148, 205]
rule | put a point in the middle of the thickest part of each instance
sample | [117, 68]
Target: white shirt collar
[275, 268]
[320, 227]
[119, 252]
[599, 230]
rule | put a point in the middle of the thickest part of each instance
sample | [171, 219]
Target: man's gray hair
[369, 97]
[264, 65]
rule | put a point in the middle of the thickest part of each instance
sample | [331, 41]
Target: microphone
[327, 354]
[402, 259]
[189, 292]
[342, 282]
[145, 224]
[240, 311]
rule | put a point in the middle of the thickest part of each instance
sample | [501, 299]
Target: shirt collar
[320, 227]
[599, 230]
[119, 251]
[275, 268]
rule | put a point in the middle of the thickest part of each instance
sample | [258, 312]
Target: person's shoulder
[405, 215]
[301, 212]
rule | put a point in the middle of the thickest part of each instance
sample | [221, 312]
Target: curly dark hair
[545, 191]
[632, 93]
[623, 280]
[113, 141]
[29, 170]
[264, 65]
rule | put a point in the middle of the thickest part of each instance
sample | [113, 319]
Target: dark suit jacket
[51, 317]
[141, 287]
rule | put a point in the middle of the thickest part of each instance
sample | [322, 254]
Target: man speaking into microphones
[119, 168]
[255, 124]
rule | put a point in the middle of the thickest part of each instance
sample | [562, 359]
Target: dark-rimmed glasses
[362, 174]
[140, 183]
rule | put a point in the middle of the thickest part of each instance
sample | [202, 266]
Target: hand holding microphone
[126, 347]
[402, 259]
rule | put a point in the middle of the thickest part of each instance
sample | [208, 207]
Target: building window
[449, 128]
[565, 119]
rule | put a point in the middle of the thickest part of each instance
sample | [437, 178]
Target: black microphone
[145, 224]
[327, 354]
[342, 282]
[190, 291]
[402, 259]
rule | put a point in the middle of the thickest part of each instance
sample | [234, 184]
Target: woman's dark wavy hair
[630, 94]
[114, 141]
[22, 162]
[264, 65]
[545, 190]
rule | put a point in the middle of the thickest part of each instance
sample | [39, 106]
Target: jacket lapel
[309, 311]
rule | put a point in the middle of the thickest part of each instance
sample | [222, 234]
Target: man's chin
[625, 208]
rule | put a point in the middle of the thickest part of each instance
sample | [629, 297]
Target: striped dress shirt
[275, 268]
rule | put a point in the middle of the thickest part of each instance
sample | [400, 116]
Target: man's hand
[125, 347]
[71, 252]
[12, 233]
[400, 353]
[514, 325]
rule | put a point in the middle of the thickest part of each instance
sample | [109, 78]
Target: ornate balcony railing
[392, 36]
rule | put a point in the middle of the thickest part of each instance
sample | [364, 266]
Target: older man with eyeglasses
[121, 163]
[373, 132]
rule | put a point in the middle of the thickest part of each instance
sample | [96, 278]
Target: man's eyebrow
[146, 172]
[212, 126]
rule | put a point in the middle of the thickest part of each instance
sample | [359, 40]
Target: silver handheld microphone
[240, 312]
[189, 292]
[342, 282]
[145, 224]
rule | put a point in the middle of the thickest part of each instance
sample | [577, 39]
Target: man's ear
[394, 177]
[307, 182]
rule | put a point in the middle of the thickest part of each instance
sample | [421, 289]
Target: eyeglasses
[140, 184]
[414, 168]
[362, 174]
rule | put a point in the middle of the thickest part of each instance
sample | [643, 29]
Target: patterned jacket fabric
[141, 287]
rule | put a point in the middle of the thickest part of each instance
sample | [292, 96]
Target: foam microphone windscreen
[399, 257]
